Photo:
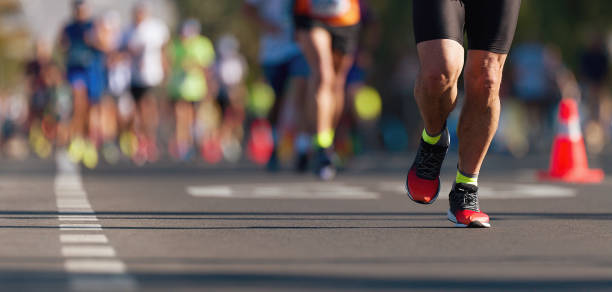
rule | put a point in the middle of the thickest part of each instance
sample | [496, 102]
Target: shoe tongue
[467, 187]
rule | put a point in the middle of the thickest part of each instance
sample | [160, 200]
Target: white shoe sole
[475, 224]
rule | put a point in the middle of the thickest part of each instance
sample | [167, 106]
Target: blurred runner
[85, 73]
[533, 82]
[283, 65]
[439, 28]
[595, 69]
[231, 70]
[146, 41]
[46, 89]
[118, 80]
[192, 56]
[327, 32]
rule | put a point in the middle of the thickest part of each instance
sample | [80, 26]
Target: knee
[484, 79]
[435, 80]
[323, 78]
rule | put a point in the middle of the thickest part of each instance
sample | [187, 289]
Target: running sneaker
[325, 168]
[423, 179]
[464, 208]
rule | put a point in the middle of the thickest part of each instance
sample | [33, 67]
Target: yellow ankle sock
[466, 179]
[429, 139]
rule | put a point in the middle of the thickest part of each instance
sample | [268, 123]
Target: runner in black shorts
[439, 26]
[327, 32]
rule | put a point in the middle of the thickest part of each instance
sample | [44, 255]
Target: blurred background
[209, 100]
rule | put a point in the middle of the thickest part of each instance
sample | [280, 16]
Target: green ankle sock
[431, 140]
[471, 179]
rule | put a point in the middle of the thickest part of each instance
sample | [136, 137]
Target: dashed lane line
[90, 261]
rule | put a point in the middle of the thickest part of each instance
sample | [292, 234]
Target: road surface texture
[192, 227]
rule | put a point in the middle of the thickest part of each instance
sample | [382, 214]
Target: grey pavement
[193, 227]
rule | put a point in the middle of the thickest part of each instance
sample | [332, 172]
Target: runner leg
[480, 112]
[435, 91]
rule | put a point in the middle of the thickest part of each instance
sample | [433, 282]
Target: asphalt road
[190, 227]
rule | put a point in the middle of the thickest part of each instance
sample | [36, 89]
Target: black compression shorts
[489, 24]
[345, 39]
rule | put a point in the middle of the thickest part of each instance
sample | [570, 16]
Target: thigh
[317, 49]
[490, 24]
[342, 66]
[440, 57]
[438, 19]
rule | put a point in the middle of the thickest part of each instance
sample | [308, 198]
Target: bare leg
[95, 125]
[80, 111]
[342, 65]
[480, 112]
[109, 119]
[184, 115]
[149, 117]
[435, 91]
[305, 106]
[316, 45]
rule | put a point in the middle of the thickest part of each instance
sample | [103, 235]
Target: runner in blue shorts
[283, 64]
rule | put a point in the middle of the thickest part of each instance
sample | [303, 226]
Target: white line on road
[74, 206]
[83, 238]
[77, 218]
[308, 190]
[103, 266]
[75, 211]
[88, 257]
[493, 190]
[82, 200]
[80, 227]
[88, 251]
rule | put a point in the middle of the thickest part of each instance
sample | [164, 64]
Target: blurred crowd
[117, 89]
[107, 92]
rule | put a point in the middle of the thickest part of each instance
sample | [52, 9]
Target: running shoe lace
[465, 199]
[429, 161]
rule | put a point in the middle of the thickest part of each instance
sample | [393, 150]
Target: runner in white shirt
[146, 42]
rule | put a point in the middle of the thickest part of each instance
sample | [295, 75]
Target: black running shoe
[423, 179]
[464, 207]
[325, 168]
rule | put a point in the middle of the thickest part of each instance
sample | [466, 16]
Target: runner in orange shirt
[327, 31]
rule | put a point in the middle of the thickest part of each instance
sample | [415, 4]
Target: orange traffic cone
[568, 160]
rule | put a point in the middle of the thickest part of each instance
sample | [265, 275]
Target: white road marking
[74, 206]
[80, 227]
[339, 190]
[492, 190]
[82, 200]
[308, 190]
[107, 273]
[76, 210]
[77, 218]
[210, 191]
[88, 251]
[105, 266]
[83, 238]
